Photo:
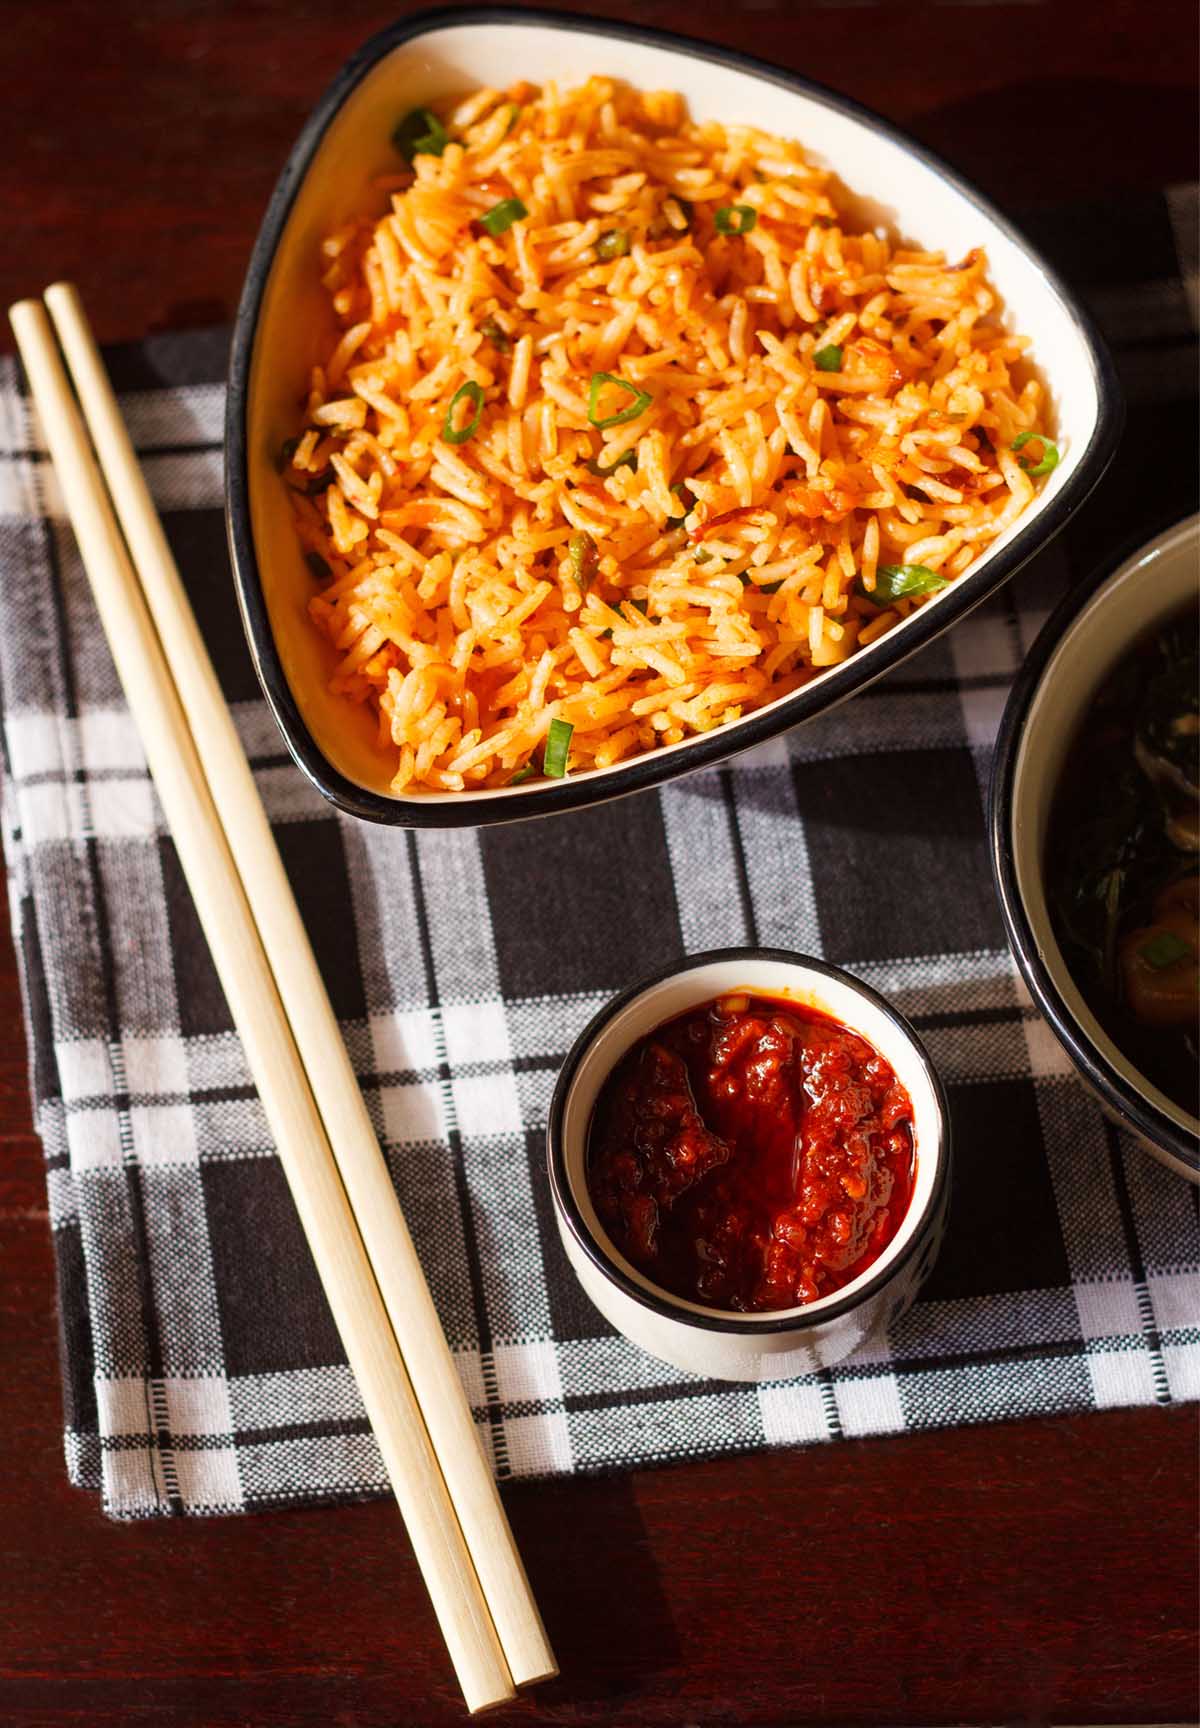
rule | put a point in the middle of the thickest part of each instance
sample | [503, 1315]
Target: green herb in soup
[1123, 856]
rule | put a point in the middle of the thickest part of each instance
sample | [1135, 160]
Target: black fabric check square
[202, 1371]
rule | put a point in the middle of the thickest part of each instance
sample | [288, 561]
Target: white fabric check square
[84, 1068]
[486, 1105]
[155, 1065]
[412, 1112]
[163, 1134]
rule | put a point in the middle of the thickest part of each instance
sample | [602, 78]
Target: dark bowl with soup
[1095, 833]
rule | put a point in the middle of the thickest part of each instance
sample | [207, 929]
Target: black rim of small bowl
[657, 766]
[661, 1302]
[1137, 1111]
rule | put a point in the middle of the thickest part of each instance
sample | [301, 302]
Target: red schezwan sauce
[752, 1154]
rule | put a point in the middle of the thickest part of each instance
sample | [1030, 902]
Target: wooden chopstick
[381, 1222]
[271, 1051]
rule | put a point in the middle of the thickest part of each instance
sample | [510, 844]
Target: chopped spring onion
[1163, 949]
[468, 392]
[735, 218]
[500, 218]
[558, 742]
[585, 560]
[522, 774]
[318, 566]
[287, 450]
[627, 459]
[492, 331]
[1050, 457]
[828, 359]
[612, 244]
[514, 114]
[901, 581]
[420, 133]
[641, 401]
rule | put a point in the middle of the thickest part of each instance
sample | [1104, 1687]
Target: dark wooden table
[1041, 1571]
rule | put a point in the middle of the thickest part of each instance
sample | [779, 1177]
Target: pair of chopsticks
[343, 1194]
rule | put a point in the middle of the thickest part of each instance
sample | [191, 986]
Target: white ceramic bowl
[725, 1345]
[1081, 642]
[283, 326]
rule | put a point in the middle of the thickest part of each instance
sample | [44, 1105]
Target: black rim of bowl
[658, 766]
[660, 1302]
[1137, 1111]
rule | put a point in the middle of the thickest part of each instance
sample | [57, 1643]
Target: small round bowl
[719, 1344]
[1081, 642]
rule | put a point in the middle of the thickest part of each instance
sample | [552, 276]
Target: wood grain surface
[1035, 1572]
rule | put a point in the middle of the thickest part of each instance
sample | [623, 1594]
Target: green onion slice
[522, 774]
[641, 401]
[420, 133]
[468, 392]
[828, 359]
[585, 560]
[902, 581]
[1163, 948]
[500, 218]
[558, 742]
[492, 331]
[514, 114]
[1050, 457]
[612, 244]
[735, 218]
[318, 566]
[627, 459]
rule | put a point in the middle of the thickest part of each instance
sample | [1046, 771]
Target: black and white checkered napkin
[202, 1371]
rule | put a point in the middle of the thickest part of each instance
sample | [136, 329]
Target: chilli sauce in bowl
[751, 1154]
[749, 1161]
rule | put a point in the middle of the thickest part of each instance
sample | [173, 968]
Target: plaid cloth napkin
[202, 1372]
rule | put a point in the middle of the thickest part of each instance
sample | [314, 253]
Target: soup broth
[1122, 857]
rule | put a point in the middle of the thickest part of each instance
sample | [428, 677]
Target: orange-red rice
[452, 602]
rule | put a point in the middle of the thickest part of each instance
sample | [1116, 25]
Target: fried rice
[628, 431]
